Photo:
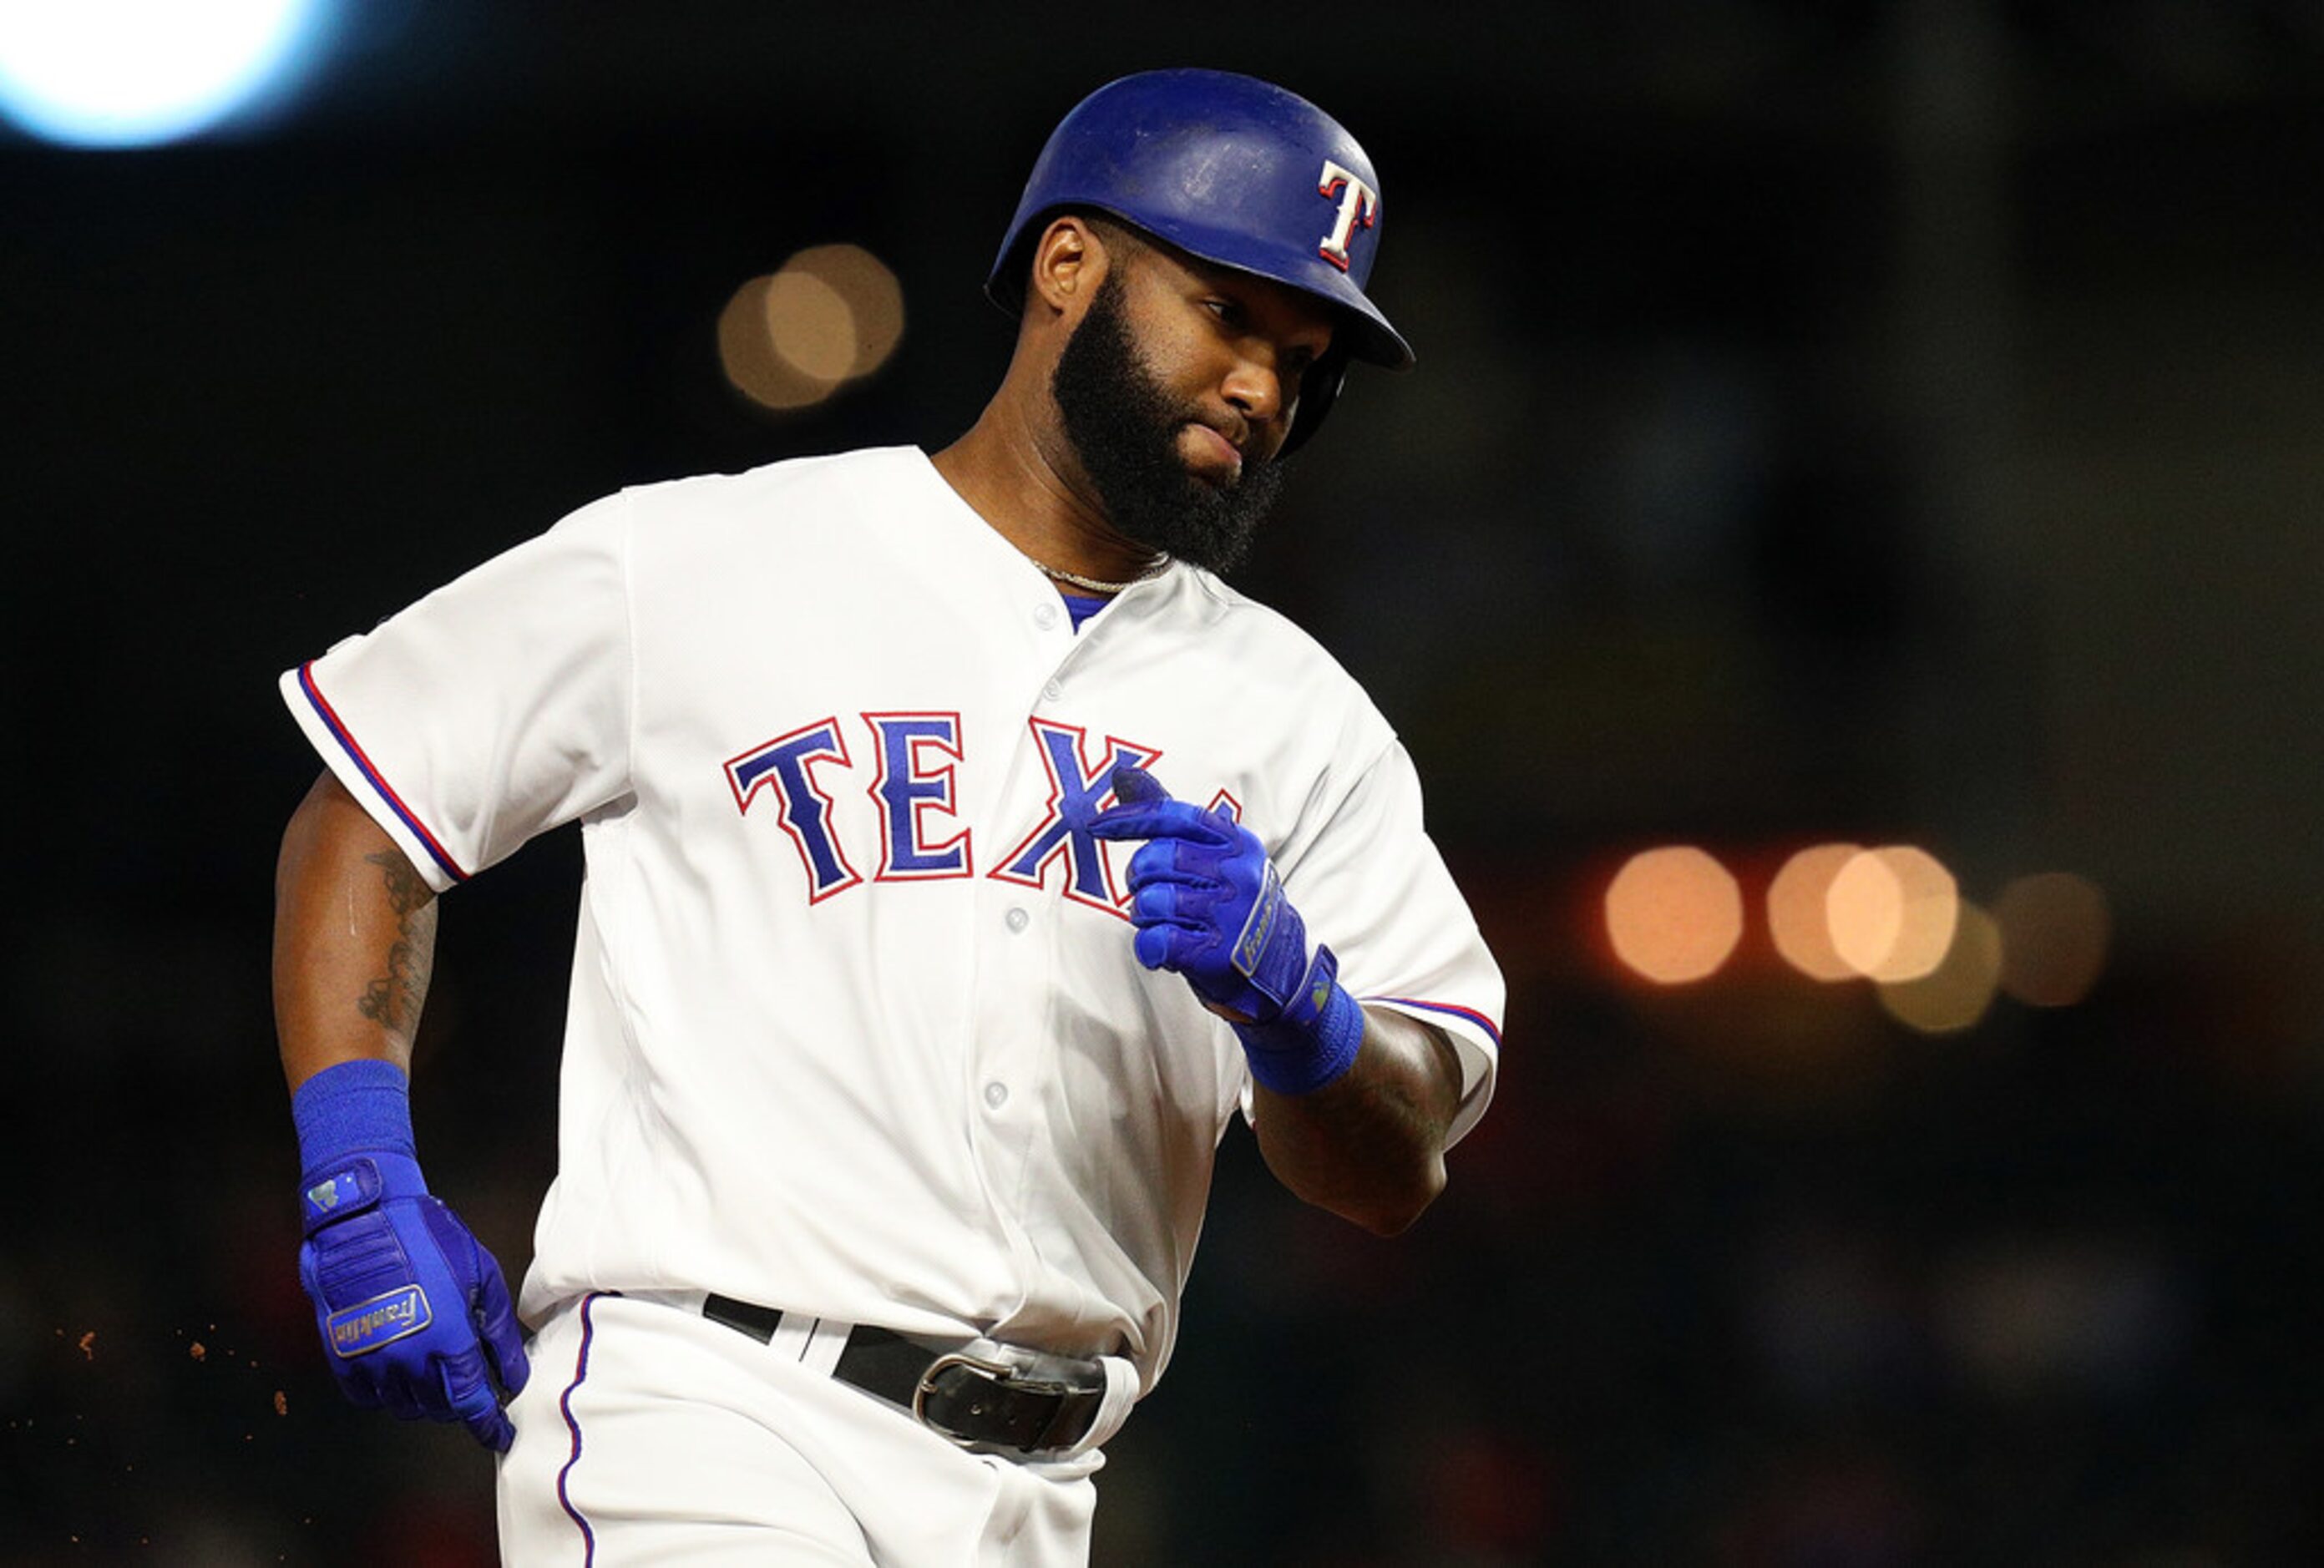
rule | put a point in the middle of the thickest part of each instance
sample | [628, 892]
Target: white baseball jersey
[855, 1027]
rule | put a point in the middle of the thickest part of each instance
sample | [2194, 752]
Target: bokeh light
[810, 325]
[135, 73]
[1892, 912]
[833, 314]
[873, 299]
[2055, 928]
[1798, 918]
[1954, 993]
[1673, 914]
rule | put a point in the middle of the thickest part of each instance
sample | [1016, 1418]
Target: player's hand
[1208, 906]
[414, 1314]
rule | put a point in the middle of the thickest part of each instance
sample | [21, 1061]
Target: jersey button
[1053, 690]
[996, 1094]
[1017, 920]
[1045, 616]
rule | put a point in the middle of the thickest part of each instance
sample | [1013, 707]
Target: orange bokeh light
[833, 314]
[1892, 912]
[1797, 917]
[1673, 914]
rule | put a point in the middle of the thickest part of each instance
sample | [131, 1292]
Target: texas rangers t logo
[1358, 208]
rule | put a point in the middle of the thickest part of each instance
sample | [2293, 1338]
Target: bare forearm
[1370, 1146]
[355, 938]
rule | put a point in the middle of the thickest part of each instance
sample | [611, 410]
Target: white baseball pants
[650, 1435]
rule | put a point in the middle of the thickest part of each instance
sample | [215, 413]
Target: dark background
[1896, 422]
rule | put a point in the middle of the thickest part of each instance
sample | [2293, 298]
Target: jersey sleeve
[492, 710]
[1369, 883]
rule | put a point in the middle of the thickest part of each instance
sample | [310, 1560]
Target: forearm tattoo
[393, 1000]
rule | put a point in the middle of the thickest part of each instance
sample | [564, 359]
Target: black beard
[1124, 429]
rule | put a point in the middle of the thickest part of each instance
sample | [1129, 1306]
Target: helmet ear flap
[1319, 389]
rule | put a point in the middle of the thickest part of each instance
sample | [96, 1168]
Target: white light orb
[135, 73]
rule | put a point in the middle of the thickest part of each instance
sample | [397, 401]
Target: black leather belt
[1049, 1403]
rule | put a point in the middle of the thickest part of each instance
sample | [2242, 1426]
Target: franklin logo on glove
[361, 1329]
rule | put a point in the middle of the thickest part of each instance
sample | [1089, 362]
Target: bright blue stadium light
[135, 73]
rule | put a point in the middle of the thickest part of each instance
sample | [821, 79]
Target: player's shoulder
[865, 473]
[830, 511]
[1247, 634]
[1252, 626]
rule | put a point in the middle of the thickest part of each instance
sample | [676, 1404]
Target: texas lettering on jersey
[914, 758]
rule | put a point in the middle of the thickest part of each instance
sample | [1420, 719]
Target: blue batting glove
[1209, 906]
[414, 1314]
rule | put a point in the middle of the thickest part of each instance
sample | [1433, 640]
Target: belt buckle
[996, 1371]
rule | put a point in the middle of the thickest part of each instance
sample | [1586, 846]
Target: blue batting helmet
[1236, 171]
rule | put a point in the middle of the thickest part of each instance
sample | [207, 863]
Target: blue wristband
[361, 1105]
[1298, 1059]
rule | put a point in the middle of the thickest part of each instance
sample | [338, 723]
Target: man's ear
[1069, 261]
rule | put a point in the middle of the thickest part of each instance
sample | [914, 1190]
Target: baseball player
[963, 854]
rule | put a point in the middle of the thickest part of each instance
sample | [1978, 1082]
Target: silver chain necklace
[1092, 584]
